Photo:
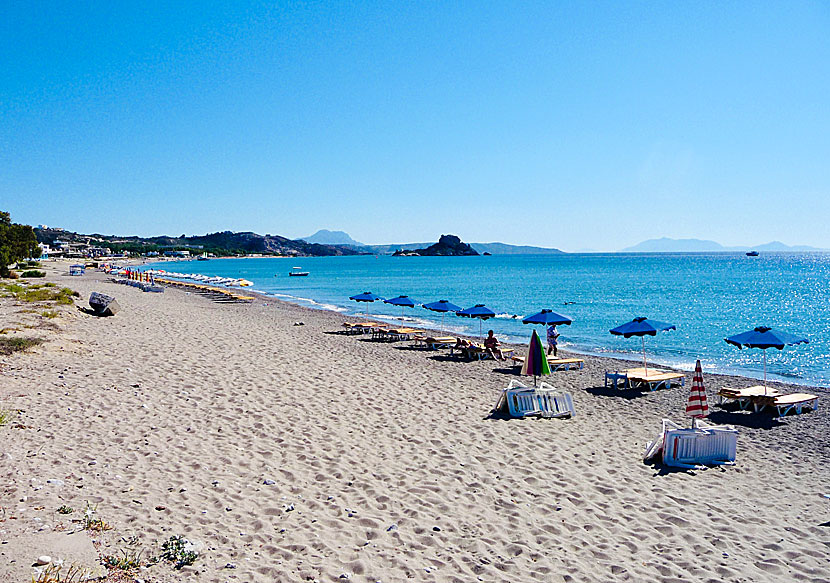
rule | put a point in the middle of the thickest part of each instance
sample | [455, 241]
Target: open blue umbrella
[764, 337]
[442, 306]
[642, 327]
[402, 301]
[367, 297]
[548, 318]
[479, 311]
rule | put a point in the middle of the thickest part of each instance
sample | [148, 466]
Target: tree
[16, 242]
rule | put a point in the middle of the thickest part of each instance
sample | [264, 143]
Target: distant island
[326, 237]
[668, 245]
[447, 245]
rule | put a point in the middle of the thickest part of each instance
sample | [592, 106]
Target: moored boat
[752, 254]
[297, 272]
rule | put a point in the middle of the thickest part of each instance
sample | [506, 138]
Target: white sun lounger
[520, 400]
[684, 447]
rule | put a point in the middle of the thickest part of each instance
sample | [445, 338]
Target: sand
[294, 453]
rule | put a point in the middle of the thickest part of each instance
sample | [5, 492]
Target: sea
[707, 296]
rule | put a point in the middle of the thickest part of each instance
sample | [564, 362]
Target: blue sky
[574, 125]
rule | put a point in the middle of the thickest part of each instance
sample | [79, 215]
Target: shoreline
[298, 453]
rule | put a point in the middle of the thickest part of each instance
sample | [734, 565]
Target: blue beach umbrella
[548, 318]
[642, 327]
[764, 337]
[479, 311]
[367, 297]
[402, 301]
[442, 306]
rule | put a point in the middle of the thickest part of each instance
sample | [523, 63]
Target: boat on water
[203, 257]
[752, 254]
[297, 272]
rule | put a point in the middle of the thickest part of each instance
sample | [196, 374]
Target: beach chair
[656, 380]
[786, 403]
[694, 448]
[565, 363]
[434, 343]
[746, 396]
[519, 400]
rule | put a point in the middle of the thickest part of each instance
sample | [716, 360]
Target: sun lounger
[519, 400]
[654, 378]
[434, 343]
[746, 396]
[786, 403]
[554, 362]
[694, 448]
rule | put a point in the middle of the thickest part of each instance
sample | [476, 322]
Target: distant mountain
[505, 249]
[326, 237]
[668, 245]
[447, 246]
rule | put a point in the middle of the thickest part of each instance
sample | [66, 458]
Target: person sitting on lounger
[491, 344]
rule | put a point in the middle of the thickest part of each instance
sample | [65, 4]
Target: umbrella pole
[765, 373]
[645, 365]
[442, 321]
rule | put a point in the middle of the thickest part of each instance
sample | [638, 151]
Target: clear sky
[573, 125]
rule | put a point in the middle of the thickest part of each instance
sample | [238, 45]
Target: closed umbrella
[367, 297]
[442, 306]
[402, 301]
[642, 327]
[697, 407]
[536, 362]
[764, 337]
[479, 311]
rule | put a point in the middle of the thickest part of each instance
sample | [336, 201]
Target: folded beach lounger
[786, 403]
[694, 448]
[519, 400]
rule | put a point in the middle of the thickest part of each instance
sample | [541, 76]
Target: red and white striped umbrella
[697, 407]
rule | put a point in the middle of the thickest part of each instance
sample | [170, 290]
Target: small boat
[297, 272]
[752, 254]
[203, 257]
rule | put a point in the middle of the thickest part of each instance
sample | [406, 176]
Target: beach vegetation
[49, 314]
[124, 560]
[17, 242]
[33, 273]
[93, 522]
[44, 292]
[65, 509]
[11, 345]
[179, 551]
[54, 572]
[6, 415]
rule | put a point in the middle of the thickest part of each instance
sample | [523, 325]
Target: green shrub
[179, 550]
[33, 273]
[10, 345]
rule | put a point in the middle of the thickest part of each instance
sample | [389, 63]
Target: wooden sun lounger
[786, 403]
[434, 343]
[746, 396]
[555, 363]
[637, 377]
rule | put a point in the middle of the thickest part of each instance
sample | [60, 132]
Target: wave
[312, 303]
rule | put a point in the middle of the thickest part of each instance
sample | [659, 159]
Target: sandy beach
[296, 453]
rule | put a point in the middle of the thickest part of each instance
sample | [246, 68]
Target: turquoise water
[708, 297]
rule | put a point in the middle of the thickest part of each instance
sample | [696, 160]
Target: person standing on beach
[553, 334]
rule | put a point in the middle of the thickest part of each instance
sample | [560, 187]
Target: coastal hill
[668, 245]
[222, 243]
[447, 245]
